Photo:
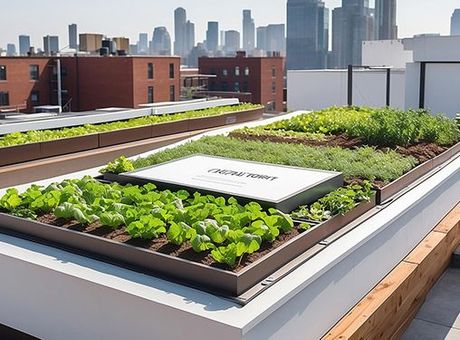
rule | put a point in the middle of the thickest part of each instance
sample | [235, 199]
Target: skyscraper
[352, 24]
[232, 41]
[385, 20]
[455, 23]
[307, 34]
[161, 41]
[24, 44]
[143, 45]
[73, 36]
[272, 38]
[180, 19]
[212, 36]
[51, 44]
[249, 31]
[189, 37]
[10, 50]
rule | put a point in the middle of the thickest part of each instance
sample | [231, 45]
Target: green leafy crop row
[365, 163]
[224, 227]
[380, 127]
[338, 202]
[18, 138]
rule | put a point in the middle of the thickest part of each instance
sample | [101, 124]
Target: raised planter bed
[33, 151]
[68, 145]
[209, 278]
[391, 189]
[19, 153]
[125, 136]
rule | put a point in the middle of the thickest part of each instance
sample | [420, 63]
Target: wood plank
[390, 307]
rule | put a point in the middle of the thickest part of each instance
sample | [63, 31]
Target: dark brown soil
[422, 151]
[162, 244]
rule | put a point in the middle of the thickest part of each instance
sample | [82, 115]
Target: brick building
[261, 77]
[88, 82]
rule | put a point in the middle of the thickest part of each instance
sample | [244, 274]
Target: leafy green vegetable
[10, 200]
[34, 136]
[146, 228]
[112, 219]
[338, 202]
[178, 233]
[201, 243]
[226, 255]
[119, 165]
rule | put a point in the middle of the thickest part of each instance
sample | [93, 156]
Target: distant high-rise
[51, 44]
[249, 31]
[143, 46]
[24, 44]
[212, 36]
[180, 20]
[161, 41]
[307, 34]
[455, 23]
[385, 20]
[189, 37]
[232, 41]
[10, 50]
[272, 38]
[73, 36]
[352, 24]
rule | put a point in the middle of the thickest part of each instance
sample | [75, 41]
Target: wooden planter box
[124, 136]
[68, 145]
[403, 182]
[19, 153]
[170, 128]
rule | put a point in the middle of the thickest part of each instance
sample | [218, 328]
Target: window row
[34, 73]
[5, 98]
[151, 71]
[236, 71]
[224, 86]
[151, 94]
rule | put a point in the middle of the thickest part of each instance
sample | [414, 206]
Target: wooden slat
[389, 308]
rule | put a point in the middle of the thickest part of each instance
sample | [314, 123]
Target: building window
[150, 97]
[224, 72]
[171, 71]
[246, 71]
[237, 71]
[273, 87]
[236, 86]
[150, 71]
[4, 99]
[34, 72]
[172, 93]
[35, 97]
[273, 71]
[2, 72]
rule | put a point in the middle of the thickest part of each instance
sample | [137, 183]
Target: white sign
[256, 181]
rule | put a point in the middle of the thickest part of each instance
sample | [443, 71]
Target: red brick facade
[89, 83]
[262, 77]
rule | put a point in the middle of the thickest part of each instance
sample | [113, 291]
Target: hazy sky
[128, 18]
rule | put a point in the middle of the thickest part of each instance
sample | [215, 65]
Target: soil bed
[162, 245]
[422, 151]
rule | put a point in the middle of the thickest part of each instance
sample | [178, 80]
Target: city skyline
[430, 18]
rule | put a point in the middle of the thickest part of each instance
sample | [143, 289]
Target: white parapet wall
[319, 89]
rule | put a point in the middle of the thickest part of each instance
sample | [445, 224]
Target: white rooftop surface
[259, 181]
